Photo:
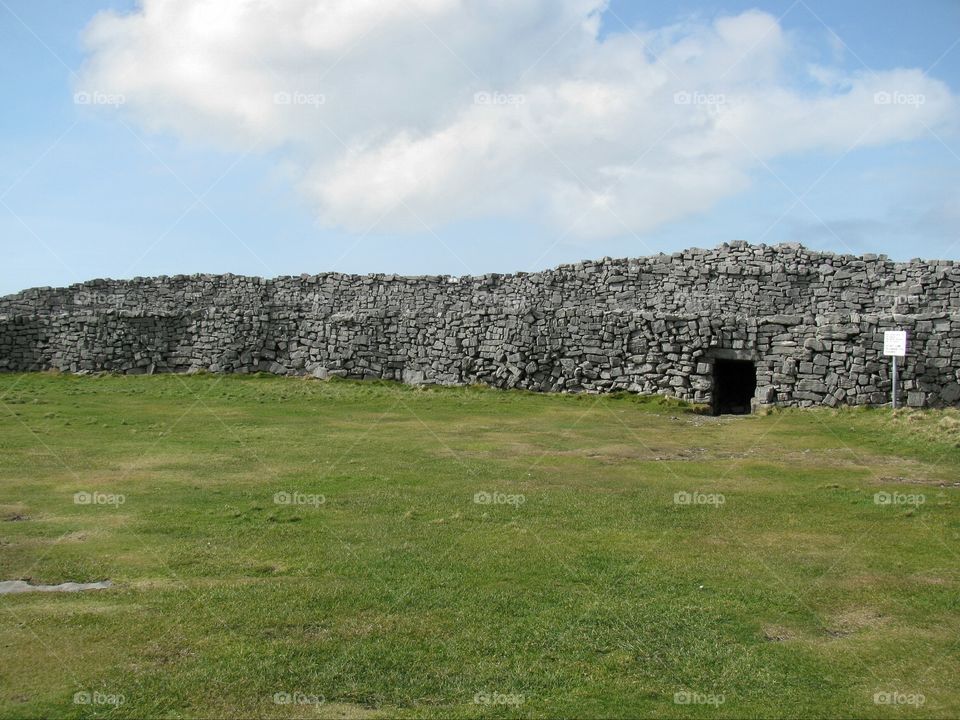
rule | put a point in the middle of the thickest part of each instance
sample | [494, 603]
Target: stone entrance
[734, 384]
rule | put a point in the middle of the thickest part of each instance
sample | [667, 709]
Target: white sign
[895, 342]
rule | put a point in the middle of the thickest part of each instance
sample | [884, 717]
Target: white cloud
[432, 110]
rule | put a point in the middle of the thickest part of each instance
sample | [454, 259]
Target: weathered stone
[950, 393]
[766, 393]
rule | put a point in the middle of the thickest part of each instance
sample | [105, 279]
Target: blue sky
[88, 192]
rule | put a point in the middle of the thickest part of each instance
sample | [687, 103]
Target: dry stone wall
[812, 322]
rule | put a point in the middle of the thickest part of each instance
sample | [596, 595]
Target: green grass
[596, 596]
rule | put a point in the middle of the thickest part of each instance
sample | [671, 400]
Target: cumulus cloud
[401, 114]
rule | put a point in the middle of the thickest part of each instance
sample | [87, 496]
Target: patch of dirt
[837, 634]
[70, 537]
[927, 580]
[13, 512]
[266, 569]
[701, 420]
[777, 633]
[621, 453]
[694, 453]
[614, 454]
[851, 621]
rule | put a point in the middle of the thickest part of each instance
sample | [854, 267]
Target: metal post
[894, 391]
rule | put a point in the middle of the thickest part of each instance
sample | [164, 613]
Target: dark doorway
[734, 383]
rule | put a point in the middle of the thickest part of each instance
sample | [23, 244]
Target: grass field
[291, 548]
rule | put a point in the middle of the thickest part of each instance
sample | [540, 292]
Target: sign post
[895, 345]
[894, 391]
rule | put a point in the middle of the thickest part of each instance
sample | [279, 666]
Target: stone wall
[813, 323]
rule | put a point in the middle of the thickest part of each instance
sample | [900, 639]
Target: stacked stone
[813, 322]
